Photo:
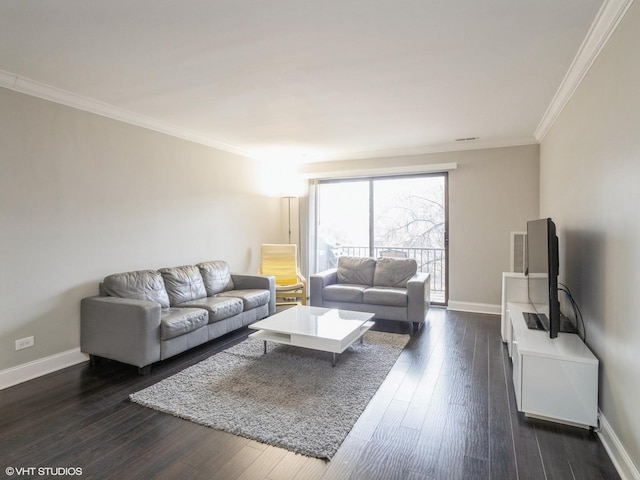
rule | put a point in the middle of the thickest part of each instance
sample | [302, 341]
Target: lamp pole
[289, 197]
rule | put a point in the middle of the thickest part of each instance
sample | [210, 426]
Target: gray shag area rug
[290, 398]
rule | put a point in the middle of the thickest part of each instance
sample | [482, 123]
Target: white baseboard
[42, 366]
[619, 456]
[474, 307]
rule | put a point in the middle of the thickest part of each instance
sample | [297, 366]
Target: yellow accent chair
[281, 261]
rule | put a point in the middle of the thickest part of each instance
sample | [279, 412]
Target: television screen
[542, 273]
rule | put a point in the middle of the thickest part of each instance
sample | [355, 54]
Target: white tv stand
[554, 379]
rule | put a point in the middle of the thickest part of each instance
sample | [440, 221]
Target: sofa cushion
[356, 270]
[343, 293]
[251, 298]
[216, 277]
[183, 284]
[394, 272]
[219, 308]
[389, 296]
[140, 285]
[178, 321]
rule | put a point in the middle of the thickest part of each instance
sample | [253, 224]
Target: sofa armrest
[419, 297]
[264, 282]
[121, 329]
[318, 281]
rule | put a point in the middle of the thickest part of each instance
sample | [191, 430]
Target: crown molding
[380, 171]
[7, 80]
[603, 26]
[434, 148]
[63, 97]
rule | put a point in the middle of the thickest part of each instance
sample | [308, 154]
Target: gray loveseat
[146, 316]
[391, 288]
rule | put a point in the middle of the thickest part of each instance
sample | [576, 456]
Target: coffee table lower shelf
[334, 346]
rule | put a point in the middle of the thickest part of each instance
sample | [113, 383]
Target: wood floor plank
[176, 470]
[424, 456]
[345, 460]
[451, 455]
[529, 462]
[235, 465]
[312, 469]
[289, 467]
[477, 439]
[165, 454]
[587, 457]
[474, 469]
[390, 442]
[502, 460]
[122, 447]
[385, 459]
[45, 447]
[369, 420]
[264, 464]
[419, 405]
[386, 455]
[214, 450]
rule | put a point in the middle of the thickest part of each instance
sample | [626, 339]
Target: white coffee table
[325, 329]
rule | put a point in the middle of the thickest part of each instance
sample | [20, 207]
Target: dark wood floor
[446, 411]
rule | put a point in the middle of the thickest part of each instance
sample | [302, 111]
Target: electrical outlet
[25, 343]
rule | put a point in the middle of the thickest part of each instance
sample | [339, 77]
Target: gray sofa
[391, 288]
[146, 316]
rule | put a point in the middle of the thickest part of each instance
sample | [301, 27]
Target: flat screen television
[542, 275]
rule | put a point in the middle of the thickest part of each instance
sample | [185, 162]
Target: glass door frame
[371, 238]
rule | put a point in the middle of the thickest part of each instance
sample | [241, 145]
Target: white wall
[82, 196]
[590, 172]
[491, 193]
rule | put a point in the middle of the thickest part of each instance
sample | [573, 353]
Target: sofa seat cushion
[140, 285]
[343, 293]
[388, 296]
[219, 308]
[183, 284]
[216, 277]
[356, 270]
[251, 298]
[394, 272]
[177, 321]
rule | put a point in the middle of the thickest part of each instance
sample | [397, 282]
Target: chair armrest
[121, 329]
[243, 281]
[419, 296]
[318, 281]
[264, 282]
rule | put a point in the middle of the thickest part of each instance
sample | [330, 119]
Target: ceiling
[311, 80]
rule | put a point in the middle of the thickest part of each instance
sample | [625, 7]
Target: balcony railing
[430, 260]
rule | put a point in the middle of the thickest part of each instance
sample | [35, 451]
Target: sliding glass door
[342, 221]
[403, 217]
